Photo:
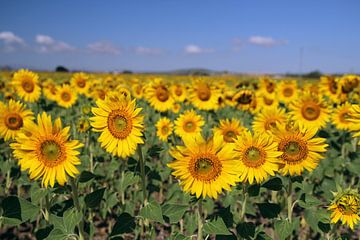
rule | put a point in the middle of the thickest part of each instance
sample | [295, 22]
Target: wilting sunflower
[245, 100]
[268, 118]
[159, 96]
[80, 81]
[228, 130]
[26, 85]
[287, 91]
[178, 92]
[189, 124]
[345, 207]
[164, 128]
[13, 117]
[310, 111]
[341, 116]
[45, 149]
[204, 96]
[66, 96]
[301, 149]
[205, 168]
[329, 86]
[120, 124]
[258, 157]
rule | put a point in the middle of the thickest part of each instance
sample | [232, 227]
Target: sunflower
[267, 101]
[178, 92]
[310, 111]
[355, 120]
[301, 149]
[347, 85]
[137, 90]
[204, 96]
[120, 124]
[329, 86]
[159, 96]
[66, 96]
[49, 90]
[228, 130]
[268, 118]
[164, 128]
[341, 116]
[47, 152]
[26, 85]
[258, 155]
[345, 207]
[245, 100]
[205, 168]
[83, 125]
[267, 86]
[176, 108]
[189, 124]
[80, 81]
[287, 91]
[13, 117]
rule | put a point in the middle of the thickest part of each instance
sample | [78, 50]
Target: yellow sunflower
[301, 149]
[159, 96]
[47, 152]
[26, 85]
[329, 86]
[267, 101]
[189, 124]
[13, 117]
[83, 125]
[204, 96]
[258, 157]
[49, 90]
[345, 207]
[245, 100]
[347, 84]
[120, 124]
[137, 90]
[355, 120]
[164, 128]
[66, 96]
[310, 111]
[228, 130]
[341, 116]
[176, 108]
[267, 86]
[287, 91]
[178, 92]
[205, 168]
[268, 118]
[80, 81]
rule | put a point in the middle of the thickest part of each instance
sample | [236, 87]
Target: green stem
[243, 205]
[142, 172]
[47, 208]
[200, 220]
[77, 206]
[289, 200]
[8, 182]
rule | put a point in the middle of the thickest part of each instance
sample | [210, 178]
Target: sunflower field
[140, 156]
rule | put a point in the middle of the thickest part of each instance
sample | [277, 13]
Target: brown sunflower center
[288, 91]
[162, 94]
[344, 117]
[270, 87]
[229, 136]
[268, 101]
[189, 126]
[254, 157]
[165, 130]
[348, 204]
[204, 92]
[270, 123]
[28, 85]
[81, 83]
[294, 151]
[310, 111]
[50, 150]
[65, 96]
[13, 121]
[205, 167]
[178, 91]
[244, 98]
[119, 124]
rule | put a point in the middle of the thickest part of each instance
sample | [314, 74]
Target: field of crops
[128, 156]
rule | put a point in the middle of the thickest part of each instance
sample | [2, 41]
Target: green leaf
[19, 208]
[86, 176]
[179, 236]
[152, 211]
[283, 228]
[37, 193]
[174, 211]
[125, 223]
[92, 200]
[71, 218]
[254, 190]
[269, 210]
[128, 180]
[274, 184]
[325, 227]
[246, 230]
[216, 226]
[57, 234]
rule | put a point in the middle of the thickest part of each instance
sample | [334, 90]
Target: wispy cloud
[195, 49]
[48, 44]
[265, 41]
[10, 41]
[104, 48]
[148, 51]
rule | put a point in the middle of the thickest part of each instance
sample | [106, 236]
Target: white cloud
[148, 51]
[194, 49]
[265, 41]
[48, 44]
[9, 38]
[104, 47]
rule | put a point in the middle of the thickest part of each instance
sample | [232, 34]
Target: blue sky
[243, 36]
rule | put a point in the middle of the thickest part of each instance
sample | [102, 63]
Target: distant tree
[127, 72]
[313, 74]
[61, 69]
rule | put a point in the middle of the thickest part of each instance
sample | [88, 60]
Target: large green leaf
[174, 211]
[283, 228]
[269, 210]
[125, 223]
[19, 208]
[216, 226]
[92, 200]
[152, 211]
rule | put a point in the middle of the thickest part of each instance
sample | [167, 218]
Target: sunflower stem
[47, 208]
[8, 182]
[142, 172]
[200, 220]
[243, 205]
[289, 201]
[78, 207]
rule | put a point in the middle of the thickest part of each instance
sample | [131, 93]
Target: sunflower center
[254, 157]
[268, 101]
[344, 117]
[178, 91]
[205, 167]
[269, 124]
[348, 204]
[204, 93]
[245, 98]
[189, 126]
[162, 93]
[288, 92]
[294, 151]
[119, 124]
[81, 83]
[65, 96]
[13, 121]
[229, 136]
[50, 150]
[310, 111]
[28, 85]
[332, 86]
[292, 148]
[270, 87]
[165, 130]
